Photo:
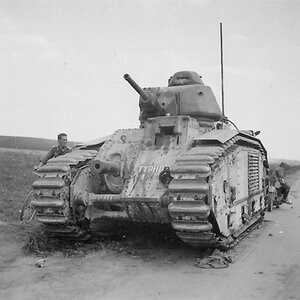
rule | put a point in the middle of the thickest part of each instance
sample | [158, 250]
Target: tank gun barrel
[143, 94]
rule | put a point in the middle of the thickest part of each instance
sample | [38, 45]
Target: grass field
[16, 178]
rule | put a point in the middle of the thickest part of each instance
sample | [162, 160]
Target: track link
[188, 211]
[191, 214]
[51, 193]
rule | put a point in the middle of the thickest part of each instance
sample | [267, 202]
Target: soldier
[284, 188]
[55, 151]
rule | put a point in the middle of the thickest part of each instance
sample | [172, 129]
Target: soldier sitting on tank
[55, 151]
[284, 188]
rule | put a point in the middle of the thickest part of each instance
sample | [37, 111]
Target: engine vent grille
[253, 172]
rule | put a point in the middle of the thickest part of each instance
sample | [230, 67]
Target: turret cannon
[148, 103]
[145, 95]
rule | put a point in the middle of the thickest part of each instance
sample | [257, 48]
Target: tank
[183, 166]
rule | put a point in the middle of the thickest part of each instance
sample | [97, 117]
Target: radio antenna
[222, 79]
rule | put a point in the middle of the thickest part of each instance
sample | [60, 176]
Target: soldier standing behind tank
[55, 151]
[284, 188]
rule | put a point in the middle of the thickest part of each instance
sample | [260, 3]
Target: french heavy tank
[183, 166]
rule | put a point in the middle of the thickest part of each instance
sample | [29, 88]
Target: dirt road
[266, 266]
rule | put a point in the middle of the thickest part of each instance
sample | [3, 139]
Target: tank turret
[185, 95]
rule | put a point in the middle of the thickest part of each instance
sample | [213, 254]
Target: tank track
[51, 193]
[190, 190]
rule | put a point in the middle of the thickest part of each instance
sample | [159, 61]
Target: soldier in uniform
[55, 151]
[284, 188]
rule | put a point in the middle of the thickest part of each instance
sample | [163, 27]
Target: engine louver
[253, 173]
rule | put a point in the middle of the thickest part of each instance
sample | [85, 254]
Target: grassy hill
[16, 178]
[19, 142]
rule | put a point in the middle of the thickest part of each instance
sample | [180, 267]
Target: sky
[62, 63]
